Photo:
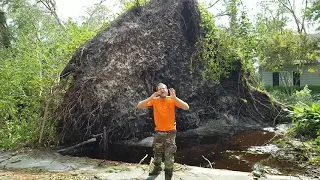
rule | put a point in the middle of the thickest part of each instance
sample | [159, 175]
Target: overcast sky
[76, 8]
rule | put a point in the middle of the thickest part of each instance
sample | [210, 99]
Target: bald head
[163, 90]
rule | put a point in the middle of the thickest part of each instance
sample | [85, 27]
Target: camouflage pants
[164, 145]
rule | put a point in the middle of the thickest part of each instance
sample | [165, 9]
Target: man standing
[164, 119]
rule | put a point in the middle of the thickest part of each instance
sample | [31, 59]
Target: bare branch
[304, 18]
[291, 8]
[45, 117]
[77, 145]
[210, 164]
[222, 14]
[51, 6]
[213, 4]
[143, 158]
[94, 11]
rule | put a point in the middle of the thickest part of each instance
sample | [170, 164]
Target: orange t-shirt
[164, 113]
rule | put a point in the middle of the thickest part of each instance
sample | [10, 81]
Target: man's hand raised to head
[173, 93]
[143, 104]
[155, 95]
[182, 104]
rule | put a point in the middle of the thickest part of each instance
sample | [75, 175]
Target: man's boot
[156, 170]
[168, 174]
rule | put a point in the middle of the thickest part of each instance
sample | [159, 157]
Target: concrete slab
[119, 171]
[193, 173]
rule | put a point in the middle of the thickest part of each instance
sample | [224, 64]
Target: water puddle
[240, 153]
[245, 151]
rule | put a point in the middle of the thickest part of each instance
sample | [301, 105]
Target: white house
[292, 78]
[305, 78]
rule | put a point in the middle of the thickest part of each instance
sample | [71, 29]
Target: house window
[275, 78]
[296, 79]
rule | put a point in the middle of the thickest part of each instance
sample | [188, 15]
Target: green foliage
[4, 32]
[217, 63]
[305, 116]
[303, 95]
[313, 12]
[281, 143]
[30, 70]
[255, 81]
[282, 89]
[315, 160]
[224, 50]
[98, 14]
[314, 89]
[271, 18]
[28, 78]
[317, 140]
[284, 51]
[131, 3]
[299, 95]
[306, 120]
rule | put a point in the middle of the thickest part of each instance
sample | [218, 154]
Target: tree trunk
[4, 32]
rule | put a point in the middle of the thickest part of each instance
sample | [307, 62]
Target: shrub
[304, 96]
[306, 120]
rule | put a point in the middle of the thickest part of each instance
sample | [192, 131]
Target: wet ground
[240, 153]
[46, 164]
[244, 156]
[246, 151]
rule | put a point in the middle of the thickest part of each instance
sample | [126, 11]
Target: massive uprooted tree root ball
[122, 64]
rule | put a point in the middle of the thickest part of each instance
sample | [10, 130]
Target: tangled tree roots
[121, 66]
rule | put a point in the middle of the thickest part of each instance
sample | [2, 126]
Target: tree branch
[93, 12]
[211, 5]
[77, 145]
[304, 17]
[291, 8]
[51, 6]
[210, 164]
[222, 14]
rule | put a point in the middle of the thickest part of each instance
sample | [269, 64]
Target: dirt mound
[122, 64]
